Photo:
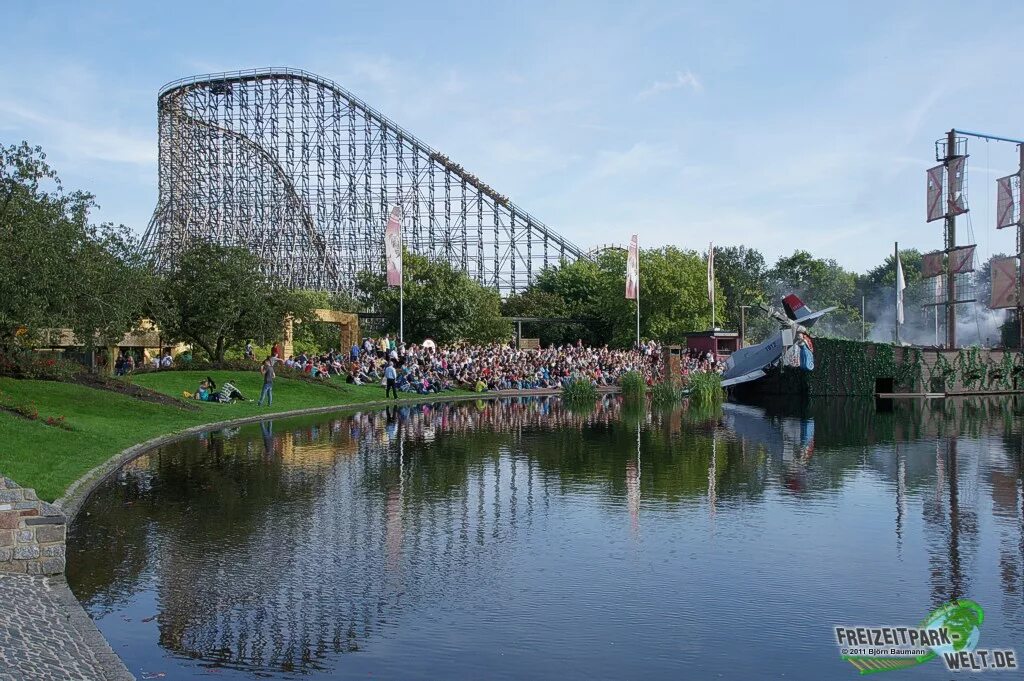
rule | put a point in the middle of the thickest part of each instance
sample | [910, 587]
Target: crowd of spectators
[698, 361]
[427, 368]
[126, 362]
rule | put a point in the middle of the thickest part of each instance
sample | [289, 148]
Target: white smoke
[976, 324]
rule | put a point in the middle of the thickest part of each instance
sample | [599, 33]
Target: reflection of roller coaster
[393, 511]
[303, 173]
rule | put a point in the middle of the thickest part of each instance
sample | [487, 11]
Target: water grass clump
[633, 385]
[706, 387]
[579, 391]
[665, 394]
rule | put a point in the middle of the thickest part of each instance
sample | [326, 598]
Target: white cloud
[637, 161]
[682, 79]
[81, 141]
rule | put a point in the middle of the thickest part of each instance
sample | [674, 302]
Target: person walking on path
[268, 382]
[390, 375]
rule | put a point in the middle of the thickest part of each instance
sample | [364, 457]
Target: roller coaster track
[340, 166]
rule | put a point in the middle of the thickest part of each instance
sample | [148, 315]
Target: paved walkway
[46, 635]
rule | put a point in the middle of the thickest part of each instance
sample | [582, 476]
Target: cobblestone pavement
[46, 635]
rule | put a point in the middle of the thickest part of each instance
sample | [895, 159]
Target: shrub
[58, 422]
[579, 391]
[29, 364]
[633, 386]
[25, 409]
[706, 387]
[663, 394]
[202, 365]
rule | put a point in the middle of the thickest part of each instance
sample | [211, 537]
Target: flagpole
[863, 321]
[711, 280]
[638, 296]
[896, 310]
[401, 288]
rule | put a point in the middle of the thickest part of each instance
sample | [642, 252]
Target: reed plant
[579, 391]
[665, 394]
[633, 386]
[706, 387]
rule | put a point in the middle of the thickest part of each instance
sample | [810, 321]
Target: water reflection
[282, 547]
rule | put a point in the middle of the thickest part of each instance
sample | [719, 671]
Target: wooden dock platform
[936, 396]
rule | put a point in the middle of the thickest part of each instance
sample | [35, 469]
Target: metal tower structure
[304, 174]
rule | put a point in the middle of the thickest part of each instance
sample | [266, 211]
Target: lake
[519, 538]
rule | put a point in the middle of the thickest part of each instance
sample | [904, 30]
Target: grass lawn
[49, 459]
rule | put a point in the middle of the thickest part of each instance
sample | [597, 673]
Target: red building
[721, 343]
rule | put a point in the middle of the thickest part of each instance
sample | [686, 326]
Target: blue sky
[775, 125]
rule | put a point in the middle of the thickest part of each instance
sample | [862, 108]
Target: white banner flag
[393, 247]
[901, 284]
[633, 271]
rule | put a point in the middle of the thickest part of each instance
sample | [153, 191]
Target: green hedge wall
[847, 367]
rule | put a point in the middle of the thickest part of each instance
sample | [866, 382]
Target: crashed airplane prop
[791, 345]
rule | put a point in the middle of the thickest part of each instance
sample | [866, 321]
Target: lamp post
[743, 324]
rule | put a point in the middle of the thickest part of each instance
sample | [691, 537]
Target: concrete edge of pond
[111, 665]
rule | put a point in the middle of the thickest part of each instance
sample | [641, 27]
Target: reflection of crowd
[424, 421]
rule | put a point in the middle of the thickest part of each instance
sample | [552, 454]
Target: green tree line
[58, 269]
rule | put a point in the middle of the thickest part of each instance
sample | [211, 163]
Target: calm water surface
[518, 539]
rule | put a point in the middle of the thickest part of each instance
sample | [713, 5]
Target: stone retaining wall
[32, 532]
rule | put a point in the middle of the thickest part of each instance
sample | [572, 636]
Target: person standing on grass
[390, 375]
[268, 382]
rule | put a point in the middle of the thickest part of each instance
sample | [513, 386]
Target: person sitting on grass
[203, 393]
[354, 372]
[229, 393]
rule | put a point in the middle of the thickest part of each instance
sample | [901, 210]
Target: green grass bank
[103, 423]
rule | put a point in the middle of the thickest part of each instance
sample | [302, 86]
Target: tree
[741, 272]
[878, 288]
[819, 283]
[983, 279]
[57, 269]
[441, 303]
[534, 302]
[567, 290]
[323, 335]
[884, 275]
[673, 295]
[218, 296]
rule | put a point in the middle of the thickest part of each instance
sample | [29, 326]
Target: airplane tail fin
[795, 308]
